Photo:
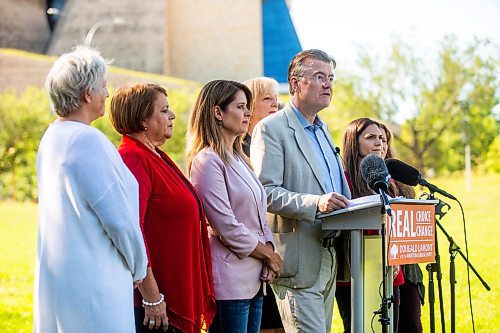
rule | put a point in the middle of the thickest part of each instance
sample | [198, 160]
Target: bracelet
[146, 303]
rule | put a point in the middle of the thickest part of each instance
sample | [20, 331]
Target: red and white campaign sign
[410, 234]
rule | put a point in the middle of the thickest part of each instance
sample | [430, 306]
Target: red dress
[173, 225]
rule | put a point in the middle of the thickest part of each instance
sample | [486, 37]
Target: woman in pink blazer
[243, 256]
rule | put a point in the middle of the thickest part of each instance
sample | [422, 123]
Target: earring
[145, 128]
[218, 122]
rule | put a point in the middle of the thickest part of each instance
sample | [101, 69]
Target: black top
[246, 144]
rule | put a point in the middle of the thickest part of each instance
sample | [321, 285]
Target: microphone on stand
[376, 175]
[409, 175]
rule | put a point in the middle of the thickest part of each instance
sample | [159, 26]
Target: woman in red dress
[177, 293]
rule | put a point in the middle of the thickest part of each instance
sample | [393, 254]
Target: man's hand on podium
[332, 201]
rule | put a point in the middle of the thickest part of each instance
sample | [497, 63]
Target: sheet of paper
[363, 200]
[367, 199]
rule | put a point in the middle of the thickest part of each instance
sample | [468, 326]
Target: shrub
[23, 120]
[25, 116]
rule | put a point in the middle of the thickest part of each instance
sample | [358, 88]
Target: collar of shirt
[303, 121]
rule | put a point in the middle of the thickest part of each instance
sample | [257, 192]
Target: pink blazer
[235, 206]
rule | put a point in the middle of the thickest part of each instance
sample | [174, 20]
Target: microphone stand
[431, 269]
[453, 250]
[384, 319]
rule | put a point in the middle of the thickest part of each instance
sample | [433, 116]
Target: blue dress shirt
[331, 171]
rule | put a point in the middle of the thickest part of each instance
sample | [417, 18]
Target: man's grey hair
[296, 68]
[71, 76]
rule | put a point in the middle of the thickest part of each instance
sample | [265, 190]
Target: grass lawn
[483, 229]
[18, 247]
[18, 222]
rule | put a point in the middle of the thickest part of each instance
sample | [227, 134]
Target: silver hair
[71, 76]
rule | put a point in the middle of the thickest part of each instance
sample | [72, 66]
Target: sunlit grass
[483, 229]
[18, 246]
[17, 258]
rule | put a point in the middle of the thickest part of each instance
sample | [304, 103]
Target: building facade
[199, 40]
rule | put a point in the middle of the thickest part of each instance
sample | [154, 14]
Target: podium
[367, 216]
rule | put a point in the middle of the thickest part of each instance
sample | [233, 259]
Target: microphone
[409, 175]
[376, 175]
[336, 151]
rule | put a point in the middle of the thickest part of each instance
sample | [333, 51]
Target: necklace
[150, 146]
[147, 144]
[153, 148]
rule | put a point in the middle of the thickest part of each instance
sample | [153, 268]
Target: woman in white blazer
[243, 256]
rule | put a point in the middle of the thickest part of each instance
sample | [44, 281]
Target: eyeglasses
[321, 78]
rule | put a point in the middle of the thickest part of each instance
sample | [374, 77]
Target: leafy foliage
[182, 102]
[24, 118]
[448, 106]
[492, 162]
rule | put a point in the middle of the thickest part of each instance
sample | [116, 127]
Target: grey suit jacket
[284, 161]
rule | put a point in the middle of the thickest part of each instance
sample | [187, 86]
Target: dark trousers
[343, 298]
[270, 314]
[397, 301]
[409, 309]
[235, 316]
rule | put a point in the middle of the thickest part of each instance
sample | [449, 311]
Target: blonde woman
[264, 103]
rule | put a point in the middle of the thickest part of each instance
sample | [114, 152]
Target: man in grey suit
[294, 156]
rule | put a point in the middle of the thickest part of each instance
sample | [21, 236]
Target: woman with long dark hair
[365, 136]
[242, 245]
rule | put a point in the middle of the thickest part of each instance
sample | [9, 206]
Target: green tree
[448, 105]
[25, 116]
[350, 101]
[23, 120]
[182, 102]
[493, 156]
